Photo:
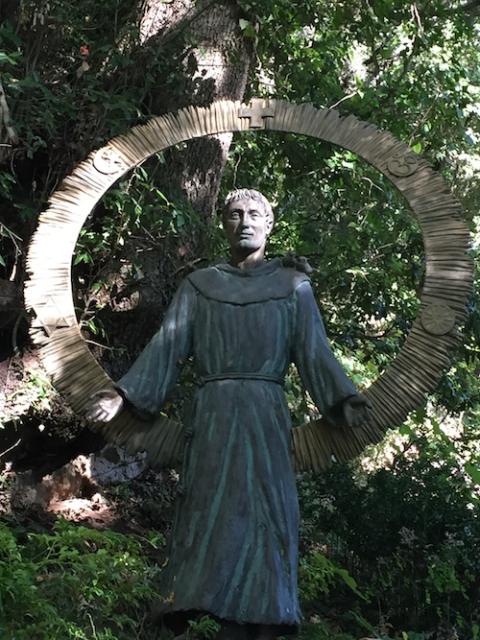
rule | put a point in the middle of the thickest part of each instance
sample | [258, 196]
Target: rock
[112, 465]
[79, 479]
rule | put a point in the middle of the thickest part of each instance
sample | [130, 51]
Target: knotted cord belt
[240, 376]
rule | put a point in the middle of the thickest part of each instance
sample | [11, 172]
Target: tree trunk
[216, 67]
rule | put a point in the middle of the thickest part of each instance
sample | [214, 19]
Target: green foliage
[135, 206]
[74, 583]
[408, 535]
[205, 628]
[318, 575]
[71, 82]
[136, 237]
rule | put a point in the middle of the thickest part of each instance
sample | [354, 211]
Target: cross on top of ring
[258, 110]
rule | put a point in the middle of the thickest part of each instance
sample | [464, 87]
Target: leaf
[247, 28]
[473, 471]
[4, 57]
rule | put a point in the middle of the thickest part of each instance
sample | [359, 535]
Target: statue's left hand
[356, 411]
[106, 404]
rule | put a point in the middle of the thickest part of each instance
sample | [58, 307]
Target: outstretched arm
[333, 393]
[150, 379]
[152, 376]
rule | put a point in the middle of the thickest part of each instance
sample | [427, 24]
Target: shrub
[74, 583]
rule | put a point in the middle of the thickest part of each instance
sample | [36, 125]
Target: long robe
[234, 547]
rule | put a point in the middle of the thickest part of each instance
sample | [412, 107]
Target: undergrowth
[393, 554]
[75, 583]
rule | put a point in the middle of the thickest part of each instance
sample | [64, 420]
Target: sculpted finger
[98, 415]
[91, 412]
[106, 416]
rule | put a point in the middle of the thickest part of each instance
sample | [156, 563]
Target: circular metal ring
[424, 355]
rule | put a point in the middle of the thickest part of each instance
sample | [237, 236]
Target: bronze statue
[234, 548]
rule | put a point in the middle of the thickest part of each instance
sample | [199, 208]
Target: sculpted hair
[244, 194]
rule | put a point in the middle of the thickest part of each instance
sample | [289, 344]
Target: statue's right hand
[106, 404]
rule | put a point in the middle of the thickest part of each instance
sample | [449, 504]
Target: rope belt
[240, 376]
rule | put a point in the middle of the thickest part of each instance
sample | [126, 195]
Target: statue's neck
[243, 260]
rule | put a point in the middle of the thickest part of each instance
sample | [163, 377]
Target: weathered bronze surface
[234, 550]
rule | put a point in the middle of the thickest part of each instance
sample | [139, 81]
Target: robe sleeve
[154, 373]
[319, 370]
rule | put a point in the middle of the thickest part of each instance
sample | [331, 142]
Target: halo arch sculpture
[401, 388]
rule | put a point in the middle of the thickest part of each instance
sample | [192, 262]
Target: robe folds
[234, 546]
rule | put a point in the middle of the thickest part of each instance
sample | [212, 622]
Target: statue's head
[247, 220]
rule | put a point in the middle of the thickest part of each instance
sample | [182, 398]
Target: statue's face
[246, 225]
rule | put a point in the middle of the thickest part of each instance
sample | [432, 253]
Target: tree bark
[216, 67]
